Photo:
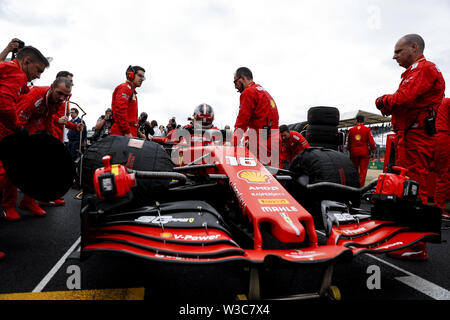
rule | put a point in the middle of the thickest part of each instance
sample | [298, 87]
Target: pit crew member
[124, 103]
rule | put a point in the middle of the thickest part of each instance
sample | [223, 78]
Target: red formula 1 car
[219, 204]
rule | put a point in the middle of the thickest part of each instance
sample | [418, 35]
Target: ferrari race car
[220, 204]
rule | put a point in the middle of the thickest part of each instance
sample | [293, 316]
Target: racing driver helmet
[204, 114]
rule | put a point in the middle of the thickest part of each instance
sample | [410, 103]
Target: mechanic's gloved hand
[379, 103]
[21, 132]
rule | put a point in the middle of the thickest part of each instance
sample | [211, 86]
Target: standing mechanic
[412, 108]
[14, 75]
[442, 157]
[35, 112]
[125, 105]
[258, 114]
[359, 143]
[292, 143]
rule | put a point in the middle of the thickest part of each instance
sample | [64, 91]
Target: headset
[130, 73]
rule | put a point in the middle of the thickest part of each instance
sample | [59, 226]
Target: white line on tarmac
[56, 267]
[424, 286]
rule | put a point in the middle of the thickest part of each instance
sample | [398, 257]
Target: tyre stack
[322, 130]
[299, 127]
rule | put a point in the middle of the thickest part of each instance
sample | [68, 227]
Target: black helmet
[204, 113]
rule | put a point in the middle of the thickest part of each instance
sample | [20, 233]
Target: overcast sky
[305, 53]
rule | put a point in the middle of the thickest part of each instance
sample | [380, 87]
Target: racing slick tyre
[315, 165]
[299, 127]
[323, 116]
[134, 154]
[322, 134]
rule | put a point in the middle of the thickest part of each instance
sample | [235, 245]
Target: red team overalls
[359, 140]
[258, 110]
[125, 110]
[442, 154]
[420, 92]
[296, 144]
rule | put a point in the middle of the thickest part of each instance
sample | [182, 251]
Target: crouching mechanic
[14, 75]
[124, 103]
[412, 106]
[35, 112]
[292, 143]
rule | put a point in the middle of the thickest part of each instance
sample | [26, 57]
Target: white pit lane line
[424, 286]
[56, 267]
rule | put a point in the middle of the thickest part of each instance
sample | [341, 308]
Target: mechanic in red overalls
[35, 112]
[442, 157]
[14, 75]
[292, 143]
[61, 117]
[61, 122]
[359, 140]
[257, 110]
[125, 105]
[420, 93]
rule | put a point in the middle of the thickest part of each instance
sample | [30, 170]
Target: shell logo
[253, 176]
[358, 137]
[166, 235]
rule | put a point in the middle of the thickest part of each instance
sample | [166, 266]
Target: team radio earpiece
[130, 73]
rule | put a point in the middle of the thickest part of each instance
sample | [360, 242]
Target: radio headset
[130, 73]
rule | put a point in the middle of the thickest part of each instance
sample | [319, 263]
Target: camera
[21, 45]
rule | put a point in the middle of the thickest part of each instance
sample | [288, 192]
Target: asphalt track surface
[41, 253]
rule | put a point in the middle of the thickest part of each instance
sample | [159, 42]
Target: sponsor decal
[279, 209]
[299, 254]
[163, 219]
[253, 176]
[166, 235]
[273, 201]
[352, 232]
[136, 143]
[256, 188]
[268, 194]
[357, 137]
[190, 237]
[396, 244]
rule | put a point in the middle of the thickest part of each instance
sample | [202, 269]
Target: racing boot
[417, 251]
[9, 202]
[29, 204]
[11, 214]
